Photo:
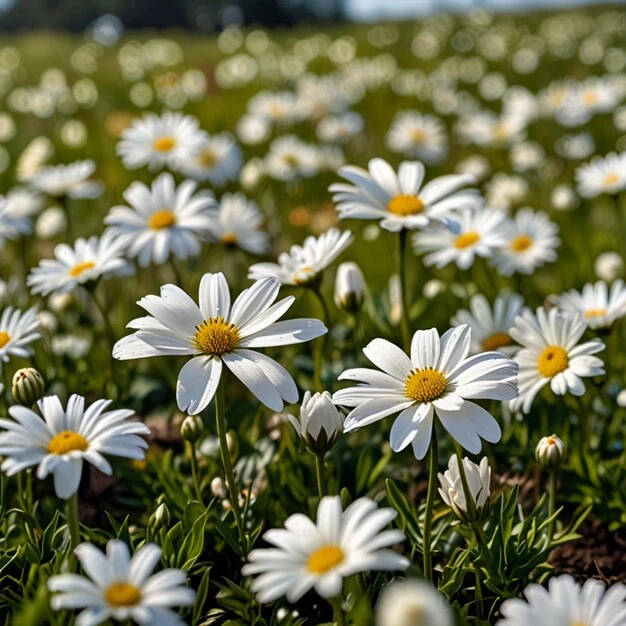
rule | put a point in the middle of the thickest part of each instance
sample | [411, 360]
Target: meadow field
[380, 271]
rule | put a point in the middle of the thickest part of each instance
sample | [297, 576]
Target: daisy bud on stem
[550, 454]
[191, 430]
[160, 518]
[349, 287]
[28, 386]
[478, 478]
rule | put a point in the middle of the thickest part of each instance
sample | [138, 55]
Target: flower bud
[218, 488]
[192, 428]
[550, 452]
[609, 266]
[160, 518]
[28, 386]
[478, 482]
[349, 287]
[320, 422]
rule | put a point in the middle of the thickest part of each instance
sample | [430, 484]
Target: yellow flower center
[67, 441]
[304, 275]
[216, 336]
[521, 243]
[405, 205]
[229, 239]
[553, 361]
[466, 240]
[164, 144]
[162, 219]
[496, 341]
[324, 559]
[425, 385]
[291, 160]
[4, 338]
[590, 97]
[589, 313]
[418, 135]
[80, 268]
[551, 441]
[415, 616]
[500, 132]
[122, 594]
[208, 158]
[611, 179]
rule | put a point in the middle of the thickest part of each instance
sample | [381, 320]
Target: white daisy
[18, 329]
[598, 306]
[478, 233]
[289, 157]
[304, 264]
[237, 223]
[437, 380]
[418, 136]
[486, 129]
[218, 160]
[399, 200]
[22, 202]
[59, 442]
[280, 107]
[567, 603]
[585, 99]
[72, 181]
[88, 261]
[214, 333]
[531, 241]
[164, 220]
[490, 326]
[339, 128]
[307, 555]
[602, 175]
[162, 141]
[551, 354]
[120, 587]
[12, 226]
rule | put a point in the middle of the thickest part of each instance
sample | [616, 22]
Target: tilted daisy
[215, 333]
[237, 223]
[487, 129]
[602, 175]
[23, 202]
[531, 241]
[18, 329]
[399, 200]
[478, 233]
[88, 261]
[303, 265]
[551, 354]
[339, 128]
[598, 305]
[306, 554]
[162, 220]
[490, 326]
[160, 141]
[59, 442]
[72, 181]
[439, 379]
[120, 587]
[418, 136]
[12, 226]
[567, 603]
[585, 99]
[289, 158]
[218, 160]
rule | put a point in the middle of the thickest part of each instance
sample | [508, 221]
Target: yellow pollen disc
[521, 243]
[229, 239]
[551, 441]
[466, 240]
[4, 338]
[610, 179]
[79, 268]
[591, 97]
[216, 336]
[291, 160]
[304, 275]
[67, 441]
[324, 559]
[164, 144]
[425, 385]
[405, 205]
[589, 313]
[162, 219]
[208, 158]
[122, 594]
[553, 361]
[418, 135]
[500, 132]
[497, 340]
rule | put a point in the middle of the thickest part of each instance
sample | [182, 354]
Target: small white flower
[51, 223]
[23, 202]
[550, 451]
[72, 181]
[320, 422]
[290, 158]
[218, 160]
[418, 136]
[18, 329]
[12, 226]
[599, 306]
[486, 129]
[478, 483]
[505, 192]
[609, 266]
[585, 99]
[602, 175]
[349, 287]
[339, 128]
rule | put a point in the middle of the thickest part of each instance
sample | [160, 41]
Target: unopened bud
[160, 518]
[192, 428]
[28, 386]
[218, 488]
[550, 452]
[349, 287]
[319, 424]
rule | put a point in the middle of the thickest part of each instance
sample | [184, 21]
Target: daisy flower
[598, 306]
[339, 128]
[12, 226]
[531, 241]
[88, 261]
[418, 136]
[438, 379]
[62, 439]
[490, 326]
[237, 223]
[551, 354]
[162, 141]
[304, 264]
[602, 175]
[289, 158]
[218, 160]
[214, 334]
[585, 99]
[486, 129]
[22, 202]
[478, 233]
[120, 587]
[162, 220]
[566, 603]
[18, 329]
[278, 107]
[306, 554]
[399, 200]
[72, 181]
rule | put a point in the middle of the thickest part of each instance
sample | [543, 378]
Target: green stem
[404, 307]
[319, 471]
[320, 345]
[551, 503]
[469, 498]
[433, 466]
[220, 419]
[110, 336]
[177, 275]
[194, 471]
[338, 617]
[73, 523]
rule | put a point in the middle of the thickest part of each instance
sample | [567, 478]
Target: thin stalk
[469, 499]
[194, 471]
[404, 307]
[73, 524]
[320, 346]
[110, 337]
[433, 466]
[177, 275]
[551, 503]
[338, 617]
[320, 473]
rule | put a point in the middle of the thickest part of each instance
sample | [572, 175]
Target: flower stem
[194, 471]
[551, 503]
[319, 471]
[338, 617]
[110, 336]
[469, 499]
[404, 307]
[72, 518]
[320, 346]
[433, 466]
[220, 419]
